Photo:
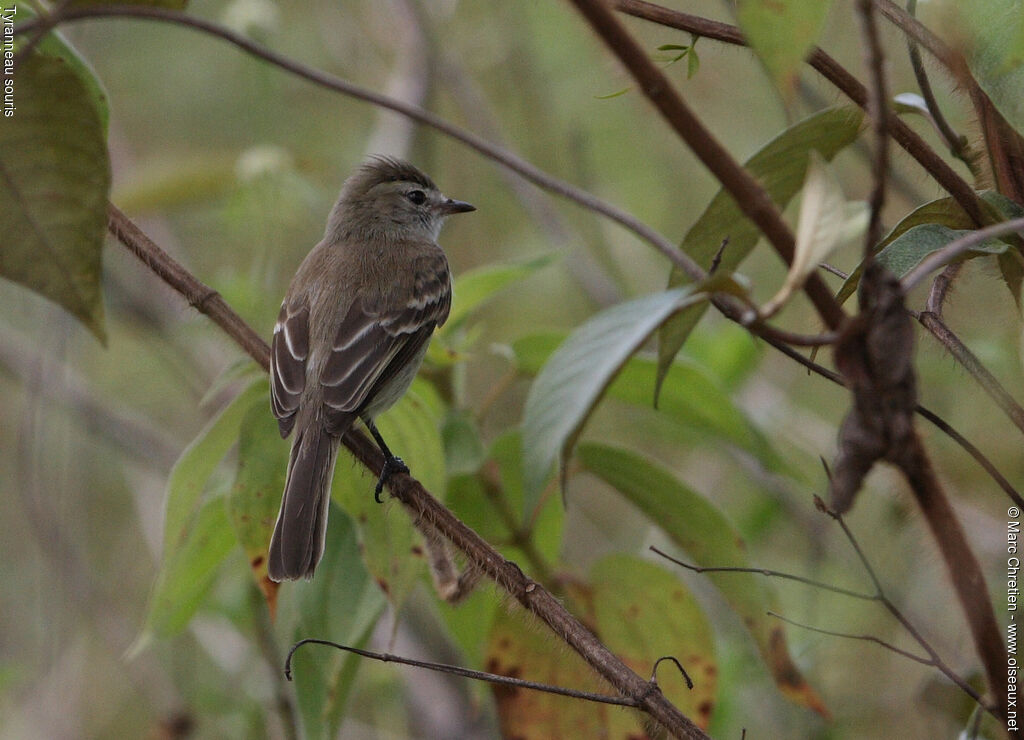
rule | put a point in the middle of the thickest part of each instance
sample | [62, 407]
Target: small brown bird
[352, 332]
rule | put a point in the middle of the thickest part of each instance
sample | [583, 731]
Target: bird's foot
[392, 465]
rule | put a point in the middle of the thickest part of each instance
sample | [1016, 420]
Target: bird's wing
[380, 334]
[288, 352]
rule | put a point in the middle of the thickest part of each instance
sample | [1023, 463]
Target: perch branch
[420, 503]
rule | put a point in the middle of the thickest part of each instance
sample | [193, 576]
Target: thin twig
[455, 670]
[936, 659]
[974, 366]
[849, 636]
[957, 143]
[750, 196]
[770, 574]
[941, 286]
[502, 156]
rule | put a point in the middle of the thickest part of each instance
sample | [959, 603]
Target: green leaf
[256, 494]
[187, 574]
[995, 53]
[692, 399]
[55, 45]
[826, 221]
[906, 252]
[711, 541]
[463, 449]
[341, 604]
[692, 63]
[782, 33]
[637, 609]
[780, 166]
[944, 212]
[572, 382]
[475, 287]
[189, 475]
[390, 545]
[54, 181]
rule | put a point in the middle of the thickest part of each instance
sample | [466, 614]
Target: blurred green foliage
[139, 481]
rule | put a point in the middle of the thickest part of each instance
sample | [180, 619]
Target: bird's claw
[392, 465]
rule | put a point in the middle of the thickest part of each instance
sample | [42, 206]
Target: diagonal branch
[423, 507]
[753, 200]
[838, 75]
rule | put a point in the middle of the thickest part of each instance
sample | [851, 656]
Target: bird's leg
[392, 464]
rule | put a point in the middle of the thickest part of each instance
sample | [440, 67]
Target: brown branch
[751, 198]
[963, 567]
[835, 73]
[934, 324]
[420, 503]
[878, 109]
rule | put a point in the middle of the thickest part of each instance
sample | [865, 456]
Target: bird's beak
[449, 206]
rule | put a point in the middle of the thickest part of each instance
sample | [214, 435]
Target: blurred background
[232, 166]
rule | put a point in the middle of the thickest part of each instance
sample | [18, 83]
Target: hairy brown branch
[752, 199]
[421, 504]
[878, 111]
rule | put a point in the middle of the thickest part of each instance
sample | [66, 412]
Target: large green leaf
[187, 574]
[342, 604]
[54, 182]
[780, 166]
[692, 399]
[942, 212]
[190, 474]
[256, 494]
[782, 32]
[391, 548]
[711, 541]
[906, 252]
[574, 379]
[637, 609]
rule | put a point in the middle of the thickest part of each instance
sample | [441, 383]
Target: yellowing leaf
[826, 221]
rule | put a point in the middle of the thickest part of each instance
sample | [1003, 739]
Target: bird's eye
[417, 196]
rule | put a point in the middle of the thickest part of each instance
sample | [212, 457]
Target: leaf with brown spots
[710, 540]
[387, 540]
[641, 612]
[256, 493]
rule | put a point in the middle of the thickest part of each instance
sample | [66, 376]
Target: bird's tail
[298, 541]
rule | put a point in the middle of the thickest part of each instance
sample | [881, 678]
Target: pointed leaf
[190, 474]
[256, 494]
[780, 166]
[692, 398]
[342, 604]
[826, 221]
[54, 181]
[782, 33]
[711, 541]
[944, 212]
[186, 576]
[390, 546]
[572, 382]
